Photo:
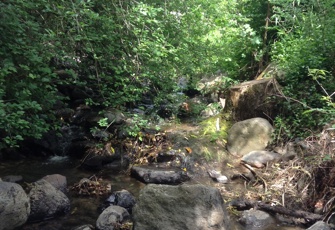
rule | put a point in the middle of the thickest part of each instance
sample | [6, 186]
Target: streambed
[84, 209]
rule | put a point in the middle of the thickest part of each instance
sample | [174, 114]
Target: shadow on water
[84, 209]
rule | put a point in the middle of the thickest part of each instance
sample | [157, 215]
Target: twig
[246, 204]
[256, 176]
[292, 99]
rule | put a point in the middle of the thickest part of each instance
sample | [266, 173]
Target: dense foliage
[305, 50]
[116, 51]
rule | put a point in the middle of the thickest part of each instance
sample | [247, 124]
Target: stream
[84, 209]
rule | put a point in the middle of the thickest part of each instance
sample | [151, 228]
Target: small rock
[216, 175]
[222, 179]
[256, 220]
[111, 217]
[121, 198]
[259, 159]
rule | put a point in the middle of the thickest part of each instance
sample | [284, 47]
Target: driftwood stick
[245, 204]
[257, 176]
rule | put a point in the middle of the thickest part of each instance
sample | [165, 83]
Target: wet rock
[249, 135]
[46, 201]
[58, 181]
[320, 225]
[155, 175]
[56, 143]
[100, 158]
[256, 220]
[12, 178]
[121, 198]
[84, 227]
[167, 156]
[118, 165]
[184, 206]
[111, 217]
[259, 159]
[14, 206]
[57, 160]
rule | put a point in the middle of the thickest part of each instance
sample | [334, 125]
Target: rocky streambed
[180, 189]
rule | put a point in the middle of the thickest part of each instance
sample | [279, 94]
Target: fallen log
[309, 217]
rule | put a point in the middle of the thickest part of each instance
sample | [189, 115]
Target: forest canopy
[119, 50]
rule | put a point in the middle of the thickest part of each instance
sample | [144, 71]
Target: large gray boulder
[111, 217]
[249, 135]
[186, 207]
[14, 206]
[46, 201]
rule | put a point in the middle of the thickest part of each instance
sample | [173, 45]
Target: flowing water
[84, 210]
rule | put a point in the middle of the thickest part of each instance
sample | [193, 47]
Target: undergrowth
[304, 183]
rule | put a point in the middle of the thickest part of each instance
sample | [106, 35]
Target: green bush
[306, 35]
[27, 92]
